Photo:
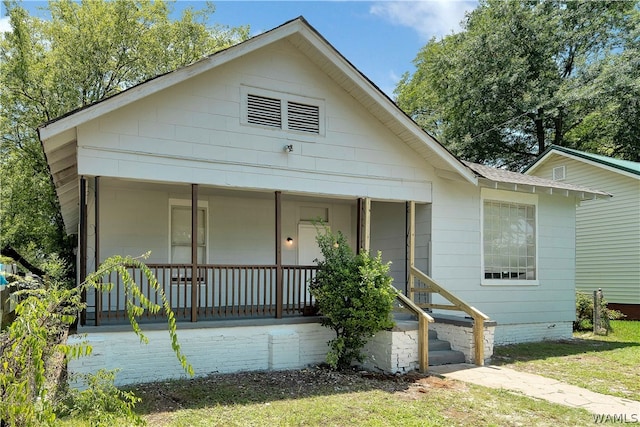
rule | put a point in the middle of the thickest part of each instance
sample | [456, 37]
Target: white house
[248, 147]
[607, 231]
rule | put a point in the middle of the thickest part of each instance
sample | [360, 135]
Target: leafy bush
[354, 294]
[584, 313]
[100, 403]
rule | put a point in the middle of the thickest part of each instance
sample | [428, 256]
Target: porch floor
[122, 325]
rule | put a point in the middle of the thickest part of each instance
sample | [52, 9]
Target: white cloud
[428, 18]
[5, 25]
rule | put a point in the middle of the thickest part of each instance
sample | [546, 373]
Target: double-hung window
[180, 232]
[509, 237]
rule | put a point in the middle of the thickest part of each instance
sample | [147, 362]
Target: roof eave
[542, 189]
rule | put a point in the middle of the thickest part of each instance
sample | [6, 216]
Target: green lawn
[318, 397]
[604, 364]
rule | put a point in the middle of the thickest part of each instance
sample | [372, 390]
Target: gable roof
[58, 137]
[625, 167]
[503, 179]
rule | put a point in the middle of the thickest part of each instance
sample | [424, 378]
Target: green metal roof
[625, 165]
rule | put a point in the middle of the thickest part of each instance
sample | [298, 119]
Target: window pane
[509, 241]
[180, 225]
[181, 234]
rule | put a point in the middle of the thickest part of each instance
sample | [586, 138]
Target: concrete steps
[440, 352]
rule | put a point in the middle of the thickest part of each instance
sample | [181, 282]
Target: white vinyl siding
[607, 231]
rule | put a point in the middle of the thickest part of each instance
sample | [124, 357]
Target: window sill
[498, 282]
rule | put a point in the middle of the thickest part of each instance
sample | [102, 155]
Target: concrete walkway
[540, 387]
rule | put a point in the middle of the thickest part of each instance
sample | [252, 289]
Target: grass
[319, 397]
[604, 364]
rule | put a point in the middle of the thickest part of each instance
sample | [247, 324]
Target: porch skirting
[210, 348]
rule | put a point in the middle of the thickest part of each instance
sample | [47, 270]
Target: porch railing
[428, 285]
[222, 291]
[423, 328]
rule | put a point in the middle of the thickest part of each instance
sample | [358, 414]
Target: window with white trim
[509, 235]
[180, 232]
[284, 111]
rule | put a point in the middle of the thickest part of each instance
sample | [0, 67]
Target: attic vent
[303, 118]
[264, 111]
[558, 173]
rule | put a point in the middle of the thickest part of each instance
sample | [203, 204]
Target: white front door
[308, 249]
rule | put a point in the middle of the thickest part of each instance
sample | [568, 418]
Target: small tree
[34, 338]
[355, 296]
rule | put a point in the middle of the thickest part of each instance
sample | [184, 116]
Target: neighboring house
[253, 144]
[607, 231]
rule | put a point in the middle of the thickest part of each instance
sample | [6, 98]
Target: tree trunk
[558, 122]
[539, 121]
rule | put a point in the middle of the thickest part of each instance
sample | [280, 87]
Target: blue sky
[381, 38]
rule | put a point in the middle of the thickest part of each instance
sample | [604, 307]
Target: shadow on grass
[267, 386]
[526, 352]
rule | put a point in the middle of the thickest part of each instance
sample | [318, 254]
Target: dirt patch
[266, 386]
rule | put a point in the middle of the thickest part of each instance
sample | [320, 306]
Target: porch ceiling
[204, 190]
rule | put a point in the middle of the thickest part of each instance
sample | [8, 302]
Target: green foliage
[584, 313]
[100, 402]
[120, 265]
[31, 341]
[35, 338]
[85, 51]
[355, 296]
[522, 75]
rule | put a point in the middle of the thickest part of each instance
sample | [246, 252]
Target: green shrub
[100, 403]
[355, 296]
[584, 313]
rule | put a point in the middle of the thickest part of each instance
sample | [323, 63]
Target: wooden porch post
[366, 244]
[194, 252]
[412, 246]
[96, 217]
[359, 242]
[83, 243]
[279, 286]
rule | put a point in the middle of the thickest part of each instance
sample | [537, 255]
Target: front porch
[237, 272]
[252, 253]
